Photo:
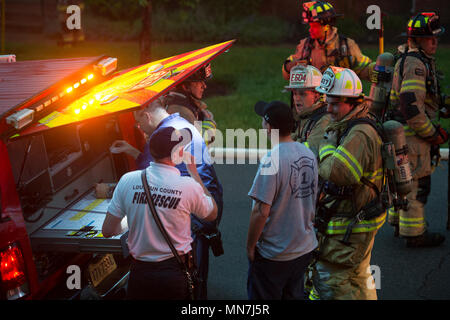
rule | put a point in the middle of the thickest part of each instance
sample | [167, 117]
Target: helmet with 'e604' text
[303, 77]
[340, 82]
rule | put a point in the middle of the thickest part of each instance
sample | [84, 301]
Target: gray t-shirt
[287, 181]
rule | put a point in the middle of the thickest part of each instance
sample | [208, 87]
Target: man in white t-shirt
[155, 272]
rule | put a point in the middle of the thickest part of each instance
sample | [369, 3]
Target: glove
[440, 136]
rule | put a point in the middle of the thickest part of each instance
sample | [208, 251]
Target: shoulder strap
[354, 122]
[157, 220]
[343, 46]
[306, 54]
[316, 116]
[417, 55]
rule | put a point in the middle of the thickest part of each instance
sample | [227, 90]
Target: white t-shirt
[174, 196]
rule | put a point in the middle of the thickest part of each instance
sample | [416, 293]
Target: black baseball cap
[277, 114]
[165, 139]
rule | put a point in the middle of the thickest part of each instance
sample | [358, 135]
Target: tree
[145, 43]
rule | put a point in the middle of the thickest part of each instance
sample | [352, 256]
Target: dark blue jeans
[157, 281]
[277, 280]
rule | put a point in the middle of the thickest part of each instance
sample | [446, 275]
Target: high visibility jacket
[311, 126]
[357, 155]
[335, 51]
[414, 101]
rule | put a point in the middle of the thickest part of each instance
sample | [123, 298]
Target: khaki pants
[342, 272]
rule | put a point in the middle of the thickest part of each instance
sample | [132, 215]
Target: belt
[187, 259]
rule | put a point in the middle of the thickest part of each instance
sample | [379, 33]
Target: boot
[428, 239]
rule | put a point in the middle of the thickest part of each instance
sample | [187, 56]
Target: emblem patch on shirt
[302, 178]
[419, 72]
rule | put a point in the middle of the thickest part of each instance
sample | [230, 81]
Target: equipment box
[78, 229]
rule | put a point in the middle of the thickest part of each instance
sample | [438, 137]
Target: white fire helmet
[340, 82]
[304, 77]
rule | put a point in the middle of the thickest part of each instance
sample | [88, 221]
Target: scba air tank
[381, 87]
[402, 174]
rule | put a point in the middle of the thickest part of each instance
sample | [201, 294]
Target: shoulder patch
[419, 72]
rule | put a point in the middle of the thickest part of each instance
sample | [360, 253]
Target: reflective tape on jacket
[349, 161]
[412, 85]
[425, 130]
[326, 150]
[365, 61]
[306, 144]
[392, 212]
[338, 227]
[374, 176]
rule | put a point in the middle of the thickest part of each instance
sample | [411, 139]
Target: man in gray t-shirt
[281, 234]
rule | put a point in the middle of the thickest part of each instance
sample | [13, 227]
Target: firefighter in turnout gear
[415, 102]
[350, 209]
[186, 100]
[324, 47]
[309, 110]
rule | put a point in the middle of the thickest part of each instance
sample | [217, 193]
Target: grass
[245, 74]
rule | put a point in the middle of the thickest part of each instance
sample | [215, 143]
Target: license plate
[103, 268]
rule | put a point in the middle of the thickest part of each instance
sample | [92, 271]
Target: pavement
[404, 273]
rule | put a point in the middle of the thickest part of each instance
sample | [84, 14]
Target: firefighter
[309, 108]
[186, 99]
[349, 211]
[324, 46]
[415, 102]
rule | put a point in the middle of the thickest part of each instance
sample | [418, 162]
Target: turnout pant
[412, 221]
[342, 272]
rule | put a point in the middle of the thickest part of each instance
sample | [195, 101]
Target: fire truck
[58, 120]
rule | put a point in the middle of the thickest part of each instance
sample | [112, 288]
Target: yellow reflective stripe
[313, 296]
[412, 219]
[414, 81]
[326, 150]
[408, 131]
[363, 63]
[335, 227]
[412, 87]
[208, 124]
[426, 129]
[349, 161]
[392, 212]
[306, 144]
[412, 222]
[372, 176]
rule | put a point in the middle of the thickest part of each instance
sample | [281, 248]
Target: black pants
[157, 281]
[277, 280]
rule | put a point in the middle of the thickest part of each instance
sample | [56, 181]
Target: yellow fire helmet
[304, 77]
[340, 82]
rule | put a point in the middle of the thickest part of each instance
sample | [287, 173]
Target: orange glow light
[69, 89]
[90, 76]
[76, 85]
[83, 81]
[77, 111]
[84, 107]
